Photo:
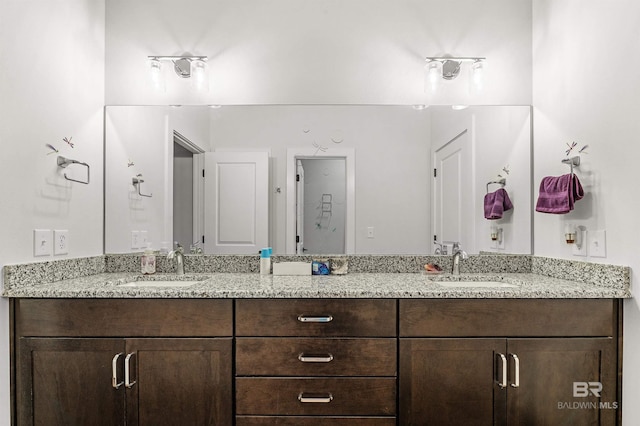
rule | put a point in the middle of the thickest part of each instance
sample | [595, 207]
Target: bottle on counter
[265, 261]
[148, 261]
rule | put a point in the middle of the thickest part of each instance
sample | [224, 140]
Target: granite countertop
[352, 285]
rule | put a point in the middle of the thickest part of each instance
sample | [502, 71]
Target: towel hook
[63, 162]
[137, 183]
[572, 162]
[502, 182]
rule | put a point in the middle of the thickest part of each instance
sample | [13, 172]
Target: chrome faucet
[178, 255]
[457, 254]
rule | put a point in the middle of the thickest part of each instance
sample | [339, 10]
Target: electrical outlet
[60, 241]
[597, 244]
[42, 242]
[370, 232]
[135, 239]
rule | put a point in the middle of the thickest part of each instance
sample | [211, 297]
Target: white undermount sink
[159, 283]
[476, 284]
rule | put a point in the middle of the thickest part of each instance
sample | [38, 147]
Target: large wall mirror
[316, 179]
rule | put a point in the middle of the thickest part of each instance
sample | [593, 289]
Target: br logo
[584, 389]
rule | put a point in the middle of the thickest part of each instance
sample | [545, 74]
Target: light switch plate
[60, 241]
[597, 243]
[143, 239]
[42, 242]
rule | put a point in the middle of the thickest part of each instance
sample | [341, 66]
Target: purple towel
[496, 203]
[558, 194]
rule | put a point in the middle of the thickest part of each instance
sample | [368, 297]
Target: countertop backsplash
[51, 271]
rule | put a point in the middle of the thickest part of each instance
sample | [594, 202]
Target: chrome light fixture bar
[182, 65]
[448, 68]
[185, 66]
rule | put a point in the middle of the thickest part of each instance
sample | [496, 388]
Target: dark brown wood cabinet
[331, 359]
[338, 362]
[117, 380]
[472, 379]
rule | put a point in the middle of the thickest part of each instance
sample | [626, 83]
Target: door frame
[293, 154]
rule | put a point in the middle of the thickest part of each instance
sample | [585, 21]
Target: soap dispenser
[148, 261]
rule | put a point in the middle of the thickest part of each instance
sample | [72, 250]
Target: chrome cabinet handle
[516, 360]
[114, 371]
[127, 378]
[315, 398]
[315, 358]
[503, 380]
[306, 318]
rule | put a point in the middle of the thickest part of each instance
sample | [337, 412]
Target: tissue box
[292, 268]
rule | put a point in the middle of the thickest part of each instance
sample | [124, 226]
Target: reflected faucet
[457, 254]
[178, 255]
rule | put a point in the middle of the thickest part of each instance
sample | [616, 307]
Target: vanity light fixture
[186, 66]
[448, 68]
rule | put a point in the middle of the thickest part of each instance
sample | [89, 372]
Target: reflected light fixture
[186, 66]
[448, 68]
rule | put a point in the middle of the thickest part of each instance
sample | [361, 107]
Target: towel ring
[502, 182]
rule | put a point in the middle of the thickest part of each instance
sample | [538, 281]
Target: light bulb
[434, 74]
[476, 77]
[199, 75]
[155, 74]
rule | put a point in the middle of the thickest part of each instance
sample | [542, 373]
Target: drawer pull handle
[127, 379]
[503, 380]
[306, 318]
[315, 358]
[516, 360]
[114, 372]
[315, 398]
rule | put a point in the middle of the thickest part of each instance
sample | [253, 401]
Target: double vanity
[505, 342]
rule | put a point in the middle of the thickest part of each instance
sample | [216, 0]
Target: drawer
[316, 317]
[507, 317]
[298, 356]
[124, 317]
[314, 421]
[316, 396]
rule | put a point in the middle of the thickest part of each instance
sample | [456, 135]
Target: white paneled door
[453, 207]
[236, 199]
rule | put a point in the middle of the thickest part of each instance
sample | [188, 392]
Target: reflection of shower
[324, 217]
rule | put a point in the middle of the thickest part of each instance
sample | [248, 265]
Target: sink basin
[159, 283]
[477, 284]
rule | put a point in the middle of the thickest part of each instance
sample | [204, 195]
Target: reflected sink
[477, 284]
[159, 283]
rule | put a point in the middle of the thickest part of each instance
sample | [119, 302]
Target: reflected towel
[558, 194]
[496, 203]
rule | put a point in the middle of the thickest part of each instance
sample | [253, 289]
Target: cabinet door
[69, 382]
[180, 382]
[451, 382]
[560, 380]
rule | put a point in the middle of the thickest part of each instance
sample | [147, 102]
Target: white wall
[323, 52]
[391, 163]
[586, 89]
[52, 85]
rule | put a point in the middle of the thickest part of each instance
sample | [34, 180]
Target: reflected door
[453, 193]
[236, 219]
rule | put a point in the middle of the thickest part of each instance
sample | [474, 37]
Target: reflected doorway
[321, 205]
